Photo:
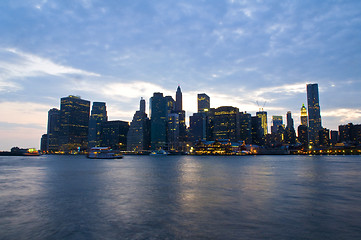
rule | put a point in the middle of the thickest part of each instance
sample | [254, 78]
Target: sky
[246, 54]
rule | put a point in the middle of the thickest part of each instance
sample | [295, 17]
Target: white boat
[104, 153]
[159, 152]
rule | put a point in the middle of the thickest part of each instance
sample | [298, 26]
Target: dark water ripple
[181, 197]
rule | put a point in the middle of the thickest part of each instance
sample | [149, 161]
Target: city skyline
[238, 53]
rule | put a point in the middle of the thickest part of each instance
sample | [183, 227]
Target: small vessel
[104, 153]
[159, 152]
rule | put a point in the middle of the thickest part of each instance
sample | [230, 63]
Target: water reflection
[181, 197]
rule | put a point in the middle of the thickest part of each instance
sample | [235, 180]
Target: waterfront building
[138, 138]
[203, 101]
[53, 129]
[334, 137]
[324, 137]
[304, 118]
[44, 143]
[263, 116]
[173, 141]
[97, 117]
[159, 109]
[226, 123]
[114, 134]
[74, 122]
[245, 127]
[350, 133]
[314, 114]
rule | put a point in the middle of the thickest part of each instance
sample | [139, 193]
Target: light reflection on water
[181, 197]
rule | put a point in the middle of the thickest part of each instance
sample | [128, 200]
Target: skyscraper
[74, 123]
[53, 130]
[303, 115]
[97, 117]
[226, 123]
[290, 134]
[114, 134]
[181, 116]
[203, 102]
[158, 113]
[314, 115]
[138, 138]
[277, 122]
[245, 127]
[263, 116]
[178, 100]
[289, 120]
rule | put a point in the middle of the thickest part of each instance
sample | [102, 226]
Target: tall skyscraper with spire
[138, 138]
[314, 114]
[178, 100]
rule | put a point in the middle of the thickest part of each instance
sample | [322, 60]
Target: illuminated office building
[245, 127]
[226, 123]
[173, 141]
[97, 117]
[324, 137]
[52, 144]
[257, 131]
[203, 102]
[303, 115]
[263, 116]
[277, 123]
[138, 138]
[302, 133]
[74, 122]
[159, 109]
[114, 134]
[290, 134]
[198, 126]
[314, 115]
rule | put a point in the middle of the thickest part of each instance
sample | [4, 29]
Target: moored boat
[103, 153]
[159, 152]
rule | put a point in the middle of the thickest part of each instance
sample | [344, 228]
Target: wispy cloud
[344, 115]
[24, 113]
[21, 65]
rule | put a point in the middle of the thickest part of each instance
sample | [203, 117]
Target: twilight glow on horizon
[237, 52]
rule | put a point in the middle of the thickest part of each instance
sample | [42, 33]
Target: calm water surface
[181, 197]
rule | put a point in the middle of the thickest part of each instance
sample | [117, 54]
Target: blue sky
[238, 52]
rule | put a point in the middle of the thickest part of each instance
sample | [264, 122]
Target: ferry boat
[159, 152]
[104, 153]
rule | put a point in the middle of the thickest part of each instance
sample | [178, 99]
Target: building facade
[203, 102]
[53, 129]
[138, 138]
[314, 114]
[97, 117]
[74, 122]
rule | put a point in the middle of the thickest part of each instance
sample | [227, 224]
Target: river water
[181, 197]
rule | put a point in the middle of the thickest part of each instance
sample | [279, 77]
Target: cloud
[345, 115]
[24, 113]
[20, 65]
